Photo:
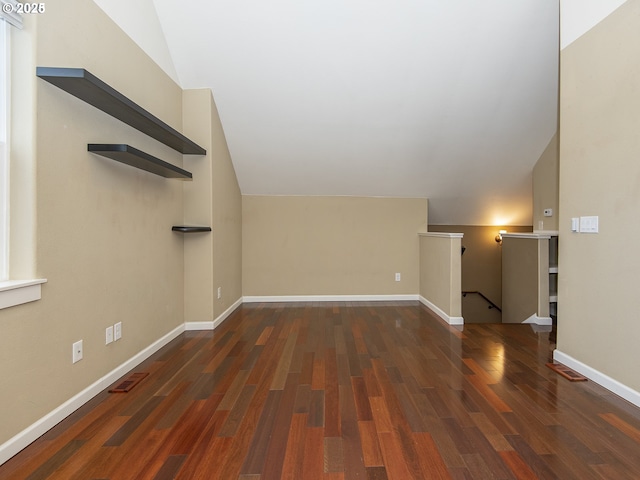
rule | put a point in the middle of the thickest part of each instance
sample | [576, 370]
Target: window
[12, 292]
[10, 18]
[4, 164]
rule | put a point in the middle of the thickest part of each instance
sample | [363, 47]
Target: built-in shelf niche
[136, 158]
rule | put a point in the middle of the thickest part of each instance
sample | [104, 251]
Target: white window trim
[10, 12]
[12, 292]
[17, 292]
[4, 153]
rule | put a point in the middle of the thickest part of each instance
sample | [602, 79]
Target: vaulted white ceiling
[450, 100]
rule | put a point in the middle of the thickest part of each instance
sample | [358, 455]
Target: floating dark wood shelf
[137, 158]
[186, 229]
[88, 87]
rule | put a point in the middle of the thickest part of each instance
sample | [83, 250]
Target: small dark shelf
[185, 229]
[82, 84]
[136, 158]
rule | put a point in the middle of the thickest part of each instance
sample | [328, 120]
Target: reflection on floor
[345, 391]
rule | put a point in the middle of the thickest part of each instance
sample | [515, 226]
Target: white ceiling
[450, 100]
[579, 16]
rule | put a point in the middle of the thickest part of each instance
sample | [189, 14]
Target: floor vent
[129, 383]
[566, 372]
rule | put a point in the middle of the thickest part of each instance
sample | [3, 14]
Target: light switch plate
[575, 224]
[589, 224]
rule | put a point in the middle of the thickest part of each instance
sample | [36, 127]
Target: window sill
[17, 292]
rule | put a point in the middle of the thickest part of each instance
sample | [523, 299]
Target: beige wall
[199, 287]
[545, 188]
[330, 245]
[440, 273]
[212, 199]
[227, 221]
[525, 278]
[481, 268]
[598, 296]
[482, 259]
[103, 238]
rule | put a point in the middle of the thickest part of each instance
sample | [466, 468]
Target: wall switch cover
[589, 224]
[575, 224]
[548, 212]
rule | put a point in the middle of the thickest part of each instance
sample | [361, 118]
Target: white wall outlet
[548, 212]
[398, 277]
[77, 351]
[219, 292]
[117, 331]
[108, 335]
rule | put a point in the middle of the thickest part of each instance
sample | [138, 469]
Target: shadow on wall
[481, 269]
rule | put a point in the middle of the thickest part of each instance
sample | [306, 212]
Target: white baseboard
[327, 298]
[600, 378]
[12, 446]
[438, 311]
[213, 324]
[535, 319]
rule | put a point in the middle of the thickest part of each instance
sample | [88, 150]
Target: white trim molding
[535, 235]
[438, 311]
[535, 319]
[212, 325]
[600, 378]
[12, 446]
[441, 234]
[11, 12]
[327, 298]
[17, 292]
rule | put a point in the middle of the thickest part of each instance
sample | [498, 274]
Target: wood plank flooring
[345, 391]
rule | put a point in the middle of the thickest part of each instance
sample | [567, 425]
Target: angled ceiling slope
[453, 101]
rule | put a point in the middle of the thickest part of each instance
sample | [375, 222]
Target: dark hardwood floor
[345, 391]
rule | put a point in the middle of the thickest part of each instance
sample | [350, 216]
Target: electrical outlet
[117, 331]
[398, 277]
[219, 292]
[108, 335]
[548, 212]
[77, 351]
